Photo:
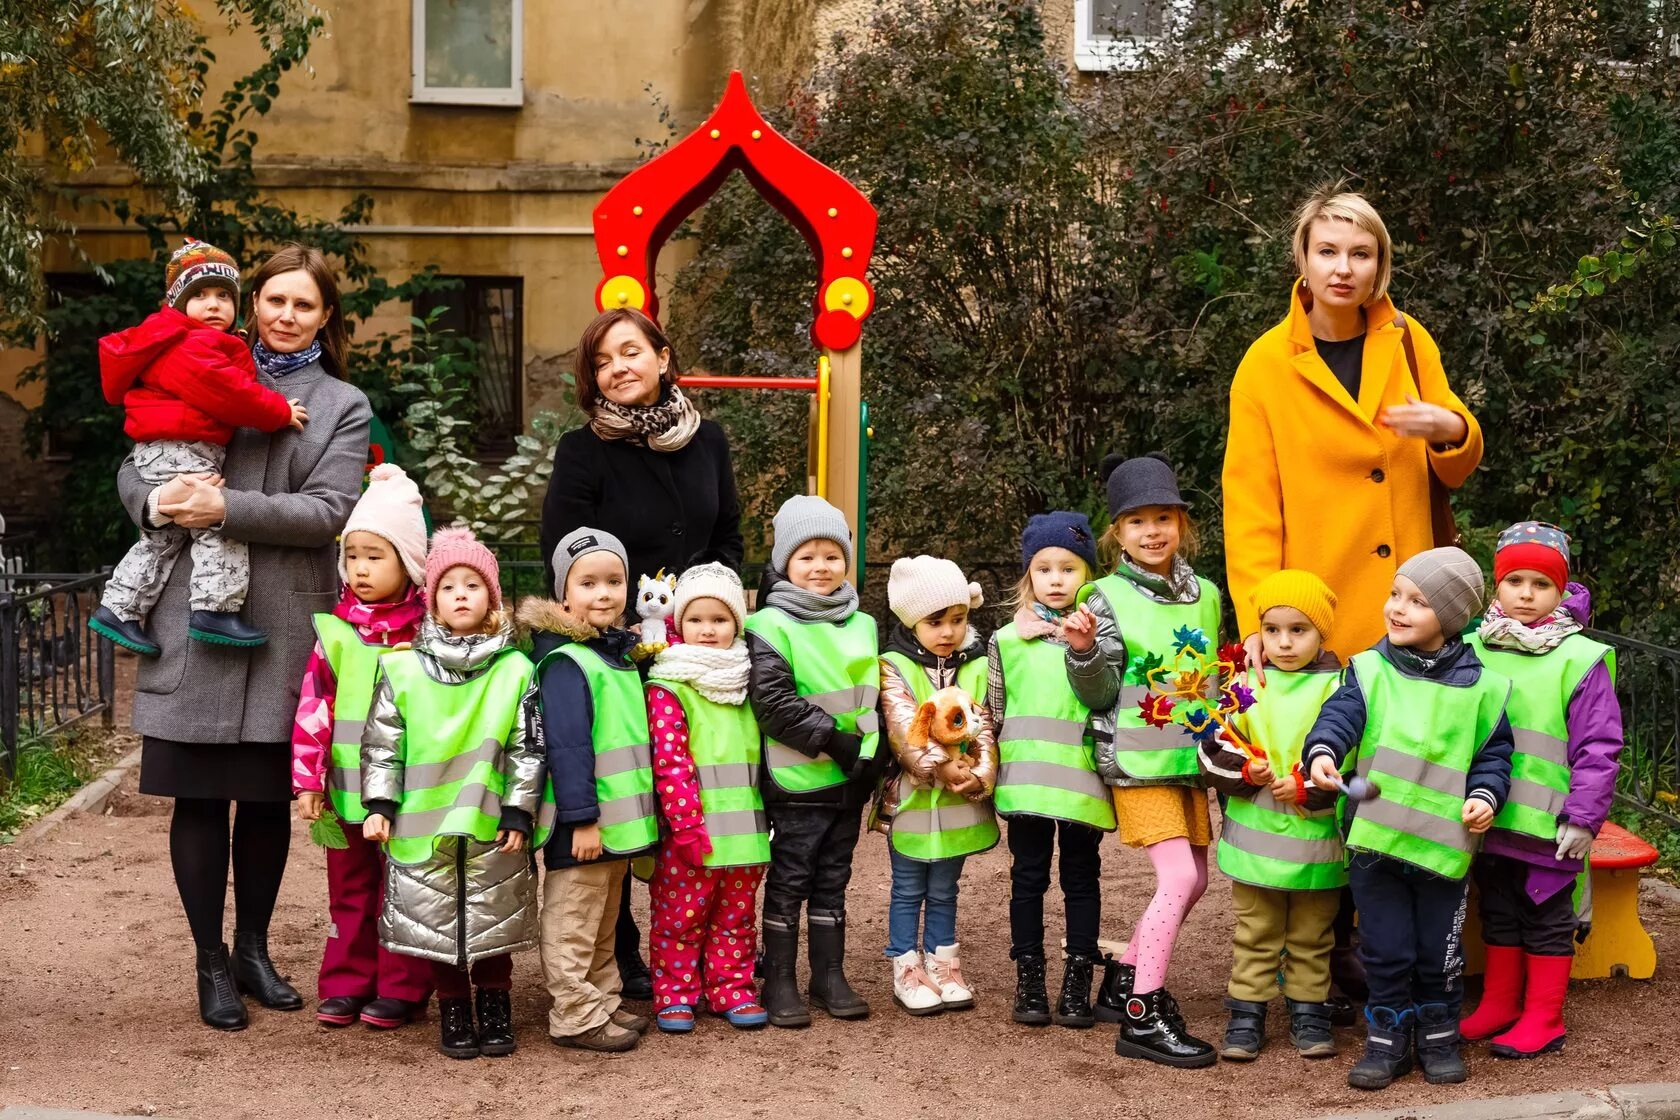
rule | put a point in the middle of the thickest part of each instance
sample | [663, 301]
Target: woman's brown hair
[583, 366]
[335, 339]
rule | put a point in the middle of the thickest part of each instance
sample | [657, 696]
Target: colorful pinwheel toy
[1197, 689]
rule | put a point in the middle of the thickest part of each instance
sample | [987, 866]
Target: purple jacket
[1594, 720]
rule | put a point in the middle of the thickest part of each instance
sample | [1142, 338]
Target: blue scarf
[279, 365]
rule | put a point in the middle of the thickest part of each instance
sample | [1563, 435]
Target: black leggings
[199, 849]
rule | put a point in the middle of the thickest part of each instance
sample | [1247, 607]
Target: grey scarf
[808, 606]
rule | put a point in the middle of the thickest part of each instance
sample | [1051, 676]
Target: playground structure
[634, 220]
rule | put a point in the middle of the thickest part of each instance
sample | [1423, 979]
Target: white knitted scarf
[720, 675]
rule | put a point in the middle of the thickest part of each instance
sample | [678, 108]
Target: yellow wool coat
[1312, 480]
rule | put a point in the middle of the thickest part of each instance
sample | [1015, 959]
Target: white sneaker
[912, 989]
[945, 969]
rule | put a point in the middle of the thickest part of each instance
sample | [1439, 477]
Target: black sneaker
[129, 635]
[1309, 1029]
[224, 628]
[1245, 1031]
[1115, 990]
[1388, 1049]
[1151, 1034]
[1073, 1007]
[1032, 1002]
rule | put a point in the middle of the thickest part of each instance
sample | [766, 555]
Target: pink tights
[1181, 876]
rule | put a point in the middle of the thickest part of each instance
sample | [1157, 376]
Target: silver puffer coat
[469, 900]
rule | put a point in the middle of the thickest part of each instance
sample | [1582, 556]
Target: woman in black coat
[648, 470]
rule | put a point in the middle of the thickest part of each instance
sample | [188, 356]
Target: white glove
[1573, 842]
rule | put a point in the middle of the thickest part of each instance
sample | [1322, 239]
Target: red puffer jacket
[178, 379]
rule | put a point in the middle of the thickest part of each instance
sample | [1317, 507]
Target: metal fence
[1648, 686]
[54, 671]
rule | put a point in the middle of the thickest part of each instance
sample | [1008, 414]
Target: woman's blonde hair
[1109, 550]
[1335, 204]
[1021, 594]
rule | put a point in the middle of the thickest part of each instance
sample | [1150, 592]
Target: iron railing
[54, 671]
[1648, 687]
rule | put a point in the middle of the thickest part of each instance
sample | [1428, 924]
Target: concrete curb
[1650, 1101]
[91, 798]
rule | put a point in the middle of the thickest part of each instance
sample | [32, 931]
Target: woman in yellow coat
[1333, 435]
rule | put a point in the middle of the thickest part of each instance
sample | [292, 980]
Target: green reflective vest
[618, 732]
[1541, 688]
[1265, 843]
[723, 740]
[932, 823]
[1142, 751]
[454, 737]
[1047, 767]
[836, 667]
[1420, 739]
[355, 666]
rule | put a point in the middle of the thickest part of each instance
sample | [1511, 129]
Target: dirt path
[96, 998]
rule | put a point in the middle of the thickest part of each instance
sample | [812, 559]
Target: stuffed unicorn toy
[656, 599]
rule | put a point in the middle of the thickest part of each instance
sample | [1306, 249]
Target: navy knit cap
[1145, 481]
[1059, 529]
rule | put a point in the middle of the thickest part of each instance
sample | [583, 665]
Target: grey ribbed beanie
[1452, 582]
[580, 543]
[806, 517]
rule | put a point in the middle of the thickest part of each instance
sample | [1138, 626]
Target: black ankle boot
[781, 986]
[1032, 1002]
[636, 980]
[830, 992]
[1438, 1045]
[455, 1025]
[1342, 1011]
[1309, 1029]
[1073, 1006]
[255, 974]
[1152, 1034]
[1388, 1049]
[1245, 1031]
[224, 628]
[219, 1004]
[129, 635]
[495, 1023]
[1115, 990]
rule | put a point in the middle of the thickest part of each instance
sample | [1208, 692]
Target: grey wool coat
[288, 496]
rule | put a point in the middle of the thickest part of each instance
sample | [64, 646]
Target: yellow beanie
[1304, 591]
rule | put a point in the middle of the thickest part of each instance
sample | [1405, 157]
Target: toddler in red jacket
[186, 382]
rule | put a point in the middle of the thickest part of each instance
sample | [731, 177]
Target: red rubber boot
[1540, 1030]
[1502, 994]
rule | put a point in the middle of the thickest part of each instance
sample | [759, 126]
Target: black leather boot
[781, 985]
[387, 1013]
[829, 990]
[1438, 1045]
[495, 1023]
[633, 974]
[1073, 1006]
[1115, 990]
[1032, 1002]
[456, 1036]
[1388, 1049]
[129, 635]
[219, 1004]
[1342, 1011]
[1150, 1033]
[339, 1011]
[1245, 1031]
[224, 628]
[1309, 1029]
[255, 974]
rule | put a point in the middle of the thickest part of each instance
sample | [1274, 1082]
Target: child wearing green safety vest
[1568, 730]
[815, 681]
[937, 808]
[1128, 622]
[1048, 789]
[716, 840]
[1421, 722]
[588, 718]
[452, 792]
[1280, 843]
[382, 561]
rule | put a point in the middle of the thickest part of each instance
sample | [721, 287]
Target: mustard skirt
[1150, 814]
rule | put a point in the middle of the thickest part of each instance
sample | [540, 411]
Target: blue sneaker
[747, 1016]
[675, 1019]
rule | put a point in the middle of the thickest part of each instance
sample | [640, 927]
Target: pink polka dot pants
[704, 910]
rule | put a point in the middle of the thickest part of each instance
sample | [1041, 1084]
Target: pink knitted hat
[452, 547]
[390, 508]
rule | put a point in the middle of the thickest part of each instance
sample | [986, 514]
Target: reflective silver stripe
[1533, 795]
[623, 760]
[843, 700]
[1151, 739]
[730, 775]
[426, 775]
[1415, 822]
[737, 822]
[782, 756]
[426, 823]
[1042, 729]
[348, 732]
[1263, 799]
[1420, 772]
[546, 812]
[345, 779]
[624, 810]
[1074, 779]
[1541, 745]
[941, 818]
[869, 722]
[1290, 849]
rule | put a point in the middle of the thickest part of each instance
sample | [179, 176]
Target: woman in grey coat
[216, 721]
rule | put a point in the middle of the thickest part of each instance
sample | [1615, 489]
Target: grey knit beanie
[1452, 582]
[806, 517]
[580, 543]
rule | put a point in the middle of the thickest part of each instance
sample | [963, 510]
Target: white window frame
[1095, 53]
[511, 96]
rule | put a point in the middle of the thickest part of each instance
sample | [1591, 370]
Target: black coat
[668, 507]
